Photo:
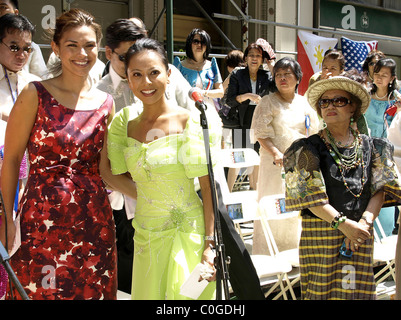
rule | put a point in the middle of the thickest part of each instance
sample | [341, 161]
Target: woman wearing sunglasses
[198, 70]
[339, 179]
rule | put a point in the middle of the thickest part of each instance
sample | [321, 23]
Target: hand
[357, 233]
[255, 97]
[208, 257]
[278, 159]
[249, 96]
[325, 75]
[353, 246]
[11, 231]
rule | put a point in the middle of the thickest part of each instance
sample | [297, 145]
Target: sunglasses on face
[198, 42]
[336, 102]
[121, 57]
[15, 48]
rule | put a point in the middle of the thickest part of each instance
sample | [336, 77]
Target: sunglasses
[197, 42]
[121, 57]
[337, 102]
[15, 48]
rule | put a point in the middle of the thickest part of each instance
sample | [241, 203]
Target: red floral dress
[67, 228]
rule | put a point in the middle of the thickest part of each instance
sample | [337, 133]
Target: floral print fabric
[313, 178]
[169, 220]
[67, 228]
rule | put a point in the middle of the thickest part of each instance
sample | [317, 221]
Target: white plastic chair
[384, 253]
[246, 200]
[270, 268]
[286, 228]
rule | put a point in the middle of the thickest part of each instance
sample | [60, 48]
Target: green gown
[169, 220]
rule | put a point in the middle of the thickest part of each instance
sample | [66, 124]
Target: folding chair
[282, 234]
[384, 253]
[241, 205]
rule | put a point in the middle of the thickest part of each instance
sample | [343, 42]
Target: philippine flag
[311, 49]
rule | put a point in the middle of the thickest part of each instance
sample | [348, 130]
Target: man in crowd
[35, 64]
[15, 49]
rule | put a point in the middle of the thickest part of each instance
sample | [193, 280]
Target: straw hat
[317, 89]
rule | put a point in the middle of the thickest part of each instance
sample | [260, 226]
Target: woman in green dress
[163, 151]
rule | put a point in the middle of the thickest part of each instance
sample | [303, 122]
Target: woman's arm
[19, 127]
[216, 92]
[373, 209]
[233, 90]
[122, 182]
[208, 254]
[356, 232]
[235, 95]
[272, 149]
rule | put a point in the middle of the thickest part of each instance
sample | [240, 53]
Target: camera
[344, 252]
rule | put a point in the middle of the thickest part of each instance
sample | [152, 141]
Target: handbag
[229, 115]
[230, 119]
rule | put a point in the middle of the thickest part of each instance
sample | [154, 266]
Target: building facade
[235, 23]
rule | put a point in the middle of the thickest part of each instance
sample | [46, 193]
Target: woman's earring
[352, 121]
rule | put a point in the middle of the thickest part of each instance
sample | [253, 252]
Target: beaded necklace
[344, 162]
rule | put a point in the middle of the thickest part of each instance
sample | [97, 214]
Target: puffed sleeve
[305, 186]
[261, 127]
[384, 174]
[216, 71]
[192, 153]
[117, 141]
[177, 63]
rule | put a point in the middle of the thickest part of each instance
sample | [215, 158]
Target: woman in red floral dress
[67, 228]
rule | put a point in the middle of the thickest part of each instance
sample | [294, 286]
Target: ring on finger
[359, 240]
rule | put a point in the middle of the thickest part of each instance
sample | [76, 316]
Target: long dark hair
[204, 38]
[391, 64]
[371, 55]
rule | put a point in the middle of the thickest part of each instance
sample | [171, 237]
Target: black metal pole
[169, 30]
[222, 273]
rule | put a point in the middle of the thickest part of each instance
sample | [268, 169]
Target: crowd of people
[104, 173]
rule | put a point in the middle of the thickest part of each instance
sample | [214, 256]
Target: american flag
[355, 52]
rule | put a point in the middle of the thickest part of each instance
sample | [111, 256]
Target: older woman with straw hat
[339, 179]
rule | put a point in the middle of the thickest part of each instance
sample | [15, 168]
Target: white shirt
[121, 89]
[118, 87]
[11, 85]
